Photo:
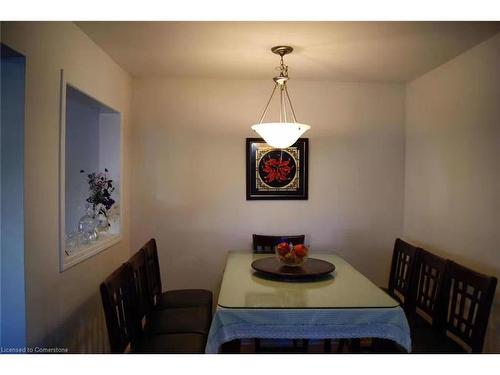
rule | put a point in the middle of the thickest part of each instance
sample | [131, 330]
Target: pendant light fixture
[284, 133]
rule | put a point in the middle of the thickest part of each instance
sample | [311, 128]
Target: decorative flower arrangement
[100, 188]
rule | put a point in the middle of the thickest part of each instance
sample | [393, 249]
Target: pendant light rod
[291, 106]
[283, 95]
[267, 105]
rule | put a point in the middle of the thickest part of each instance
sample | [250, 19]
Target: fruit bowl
[291, 255]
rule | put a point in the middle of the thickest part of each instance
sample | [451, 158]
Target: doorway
[12, 287]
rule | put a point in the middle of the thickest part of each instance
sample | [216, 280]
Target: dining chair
[138, 269]
[400, 282]
[424, 299]
[468, 296]
[263, 244]
[171, 298]
[426, 288]
[170, 320]
[119, 302]
[402, 268]
[123, 321]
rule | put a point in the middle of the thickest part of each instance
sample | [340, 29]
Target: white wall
[452, 183]
[188, 173]
[63, 309]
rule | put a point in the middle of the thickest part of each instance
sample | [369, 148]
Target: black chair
[424, 298]
[265, 244]
[400, 278]
[426, 287]
[123, 322]
[402, 268]
[454, 312]
[118, 299]
[403, 261]
[195, 319]
[172, 298]
[466, 306]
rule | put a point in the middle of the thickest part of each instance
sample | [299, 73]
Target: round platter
[310, 269]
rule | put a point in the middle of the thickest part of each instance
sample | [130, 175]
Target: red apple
[283, 248]
[301, 250]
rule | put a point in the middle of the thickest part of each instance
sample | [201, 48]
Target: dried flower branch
[100, 188]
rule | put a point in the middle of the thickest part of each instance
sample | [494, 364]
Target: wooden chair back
[427, 284]
[153, 271]
[137, 264]
[402, 267]
[119, 302]
[468, 296]
[265, 244]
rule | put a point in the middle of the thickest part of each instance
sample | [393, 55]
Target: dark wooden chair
[403, 261]
[265, 244]
[119, 302]
[450, 316]
[426, 287]
[124, 326]
[466, 306]
[402, 268]
[170, 320]
[424, 299]
[171, 298]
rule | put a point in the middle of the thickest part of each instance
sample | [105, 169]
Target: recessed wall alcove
[90, 142]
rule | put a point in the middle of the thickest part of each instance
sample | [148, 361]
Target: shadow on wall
[83, 332]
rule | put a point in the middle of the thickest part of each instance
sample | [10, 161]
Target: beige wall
[188, 176]
[63, 309]
[452, 184]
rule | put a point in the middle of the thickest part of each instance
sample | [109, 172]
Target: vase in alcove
[88, 226]
[102, 222]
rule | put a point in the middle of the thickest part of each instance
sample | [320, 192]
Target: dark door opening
[12, 291]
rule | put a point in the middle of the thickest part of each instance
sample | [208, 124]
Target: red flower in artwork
[276, 169]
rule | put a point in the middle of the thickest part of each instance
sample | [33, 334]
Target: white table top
[347, 288]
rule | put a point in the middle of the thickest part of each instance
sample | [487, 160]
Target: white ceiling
[340, 51]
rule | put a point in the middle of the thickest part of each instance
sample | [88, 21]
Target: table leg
[328, 346]
[231, 347]
[248, 346]
[355, 345]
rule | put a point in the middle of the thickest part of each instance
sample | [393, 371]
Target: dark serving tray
[312, 268]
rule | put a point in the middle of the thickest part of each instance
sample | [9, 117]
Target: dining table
[342, 305]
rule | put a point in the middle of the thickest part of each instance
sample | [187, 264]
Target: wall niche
[90, 170]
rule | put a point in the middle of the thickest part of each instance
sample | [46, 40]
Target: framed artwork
[274, 173]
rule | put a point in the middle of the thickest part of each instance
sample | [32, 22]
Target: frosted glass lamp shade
[280, 134]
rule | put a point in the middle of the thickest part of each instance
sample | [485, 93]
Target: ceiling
[339, 51]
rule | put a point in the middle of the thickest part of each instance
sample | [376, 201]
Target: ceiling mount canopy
[284, 133]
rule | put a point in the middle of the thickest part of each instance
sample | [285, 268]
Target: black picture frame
[276, 174]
